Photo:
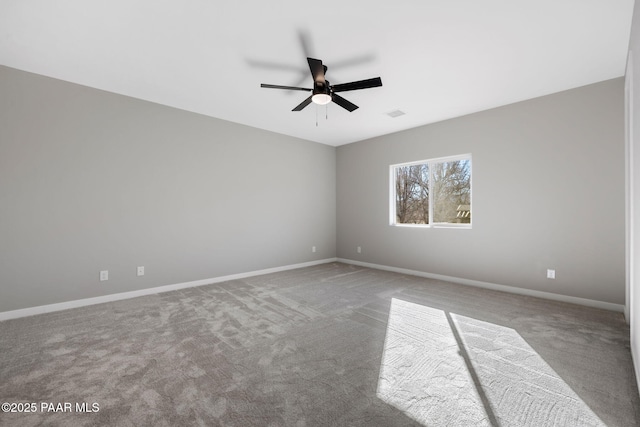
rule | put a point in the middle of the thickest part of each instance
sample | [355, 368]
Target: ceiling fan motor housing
[322, 88]
[321, 93]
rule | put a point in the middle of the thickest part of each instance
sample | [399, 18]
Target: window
[432, 193]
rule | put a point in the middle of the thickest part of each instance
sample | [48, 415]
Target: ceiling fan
[323, 92]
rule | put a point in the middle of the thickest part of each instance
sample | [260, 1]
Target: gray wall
[91, 180]
[94, 181]
[548, 192]
[633, 208]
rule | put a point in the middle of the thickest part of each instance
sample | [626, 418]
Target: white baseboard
[493, 286]
[30, 311]
[14, 314]
[636, 363]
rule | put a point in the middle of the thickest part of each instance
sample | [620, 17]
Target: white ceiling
[438, 59]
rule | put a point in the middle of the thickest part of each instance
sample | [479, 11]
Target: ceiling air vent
[395, 113]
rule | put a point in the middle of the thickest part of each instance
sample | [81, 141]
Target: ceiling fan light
[321, 98]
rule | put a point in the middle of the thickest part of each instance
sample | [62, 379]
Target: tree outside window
[432, 192]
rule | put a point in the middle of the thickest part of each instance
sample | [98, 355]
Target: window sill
[454, 226]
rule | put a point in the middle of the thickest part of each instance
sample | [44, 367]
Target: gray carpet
[331, 345]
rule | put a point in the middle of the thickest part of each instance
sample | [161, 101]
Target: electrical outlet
[141, 271]
[359, 249]
[551, 274]
[313, 249]
[104, 275]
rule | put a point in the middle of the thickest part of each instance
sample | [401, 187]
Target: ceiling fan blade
[349, 106]
[317, 70]
[303, 104]
[360, 84]
[285, 87]
[305, 42]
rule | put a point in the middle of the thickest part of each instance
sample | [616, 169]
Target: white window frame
[392, 192]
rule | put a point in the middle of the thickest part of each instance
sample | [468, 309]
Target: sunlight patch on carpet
[440, 368]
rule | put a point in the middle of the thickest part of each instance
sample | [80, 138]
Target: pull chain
[326, 113]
